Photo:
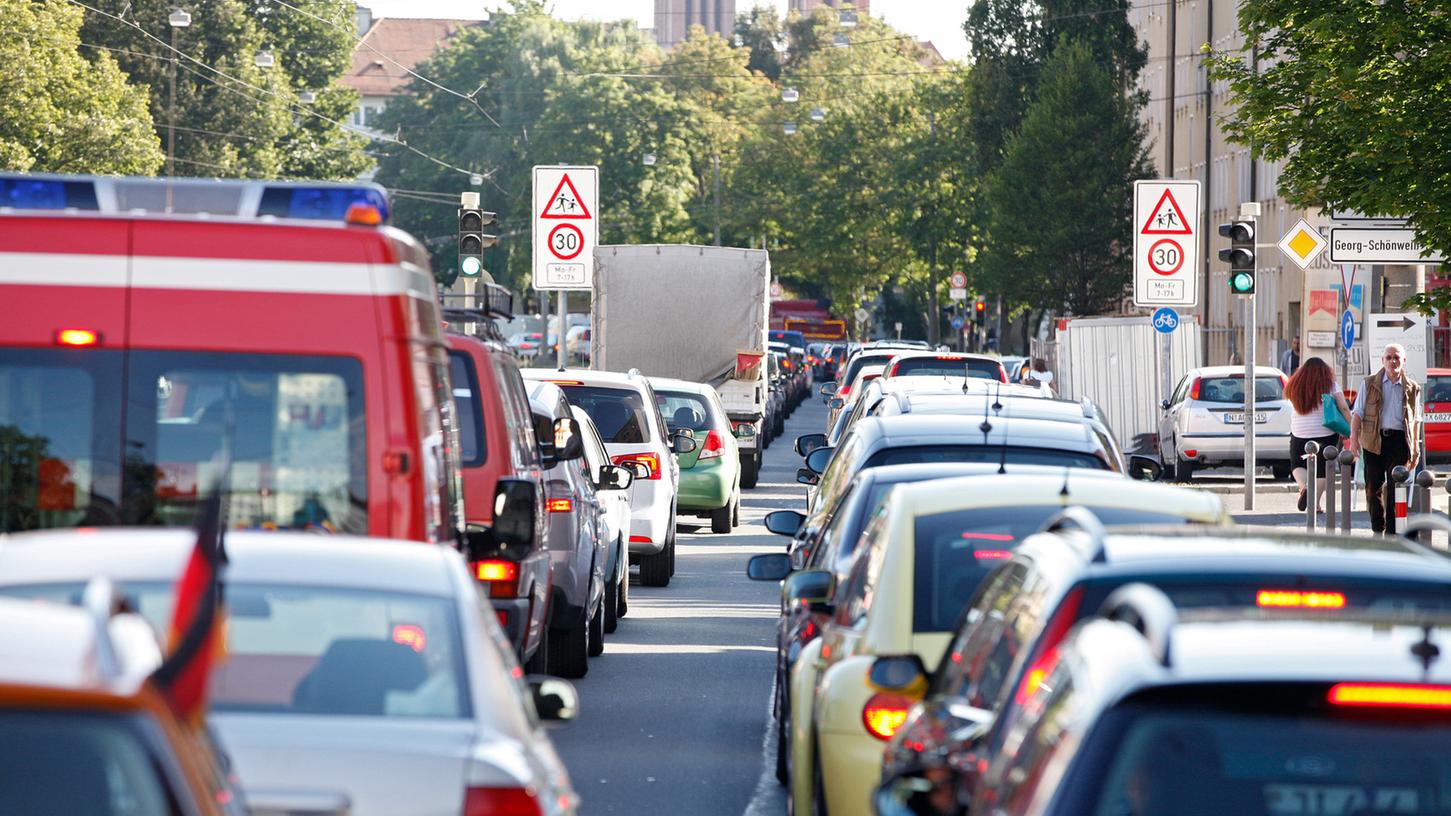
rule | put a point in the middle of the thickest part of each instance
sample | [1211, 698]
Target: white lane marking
[769, 798]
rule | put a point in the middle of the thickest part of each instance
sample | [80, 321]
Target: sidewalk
[1275, 507]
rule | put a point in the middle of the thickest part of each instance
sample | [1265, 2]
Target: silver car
[1202, 424]
[363, 676]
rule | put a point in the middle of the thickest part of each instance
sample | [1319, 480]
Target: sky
[937, 20]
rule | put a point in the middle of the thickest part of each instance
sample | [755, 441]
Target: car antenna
[1064, 491]
[986, 426]
[1426, 651]
[997, 398]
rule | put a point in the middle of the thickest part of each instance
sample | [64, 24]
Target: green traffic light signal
[1242, 283]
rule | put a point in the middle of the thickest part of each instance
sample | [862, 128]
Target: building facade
[673, 19]
[808, 6]
[388, 47]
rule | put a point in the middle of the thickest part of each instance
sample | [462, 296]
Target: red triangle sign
[1168, 220]
[566, 205]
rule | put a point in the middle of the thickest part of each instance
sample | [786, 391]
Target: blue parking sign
[1166, 320]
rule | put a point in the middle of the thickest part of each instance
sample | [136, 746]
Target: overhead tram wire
[268, 91]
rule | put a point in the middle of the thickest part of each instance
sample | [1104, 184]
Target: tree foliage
[62, 111]
[1355, 98]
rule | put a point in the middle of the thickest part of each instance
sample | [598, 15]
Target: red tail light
[560, 505]
[650, 460]
[501, 576]
[884, 713]
[1390, 695]
[893, 371]
[1047, 649]
[77, 337]
[1299, 599]
[1194, 389]
[501, 802]
[713, 447]
[992, 555]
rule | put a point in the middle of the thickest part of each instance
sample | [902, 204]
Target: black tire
[569, 649]
[1185, 470]
[597, 631]
[611, 605]
[736, 511]
[672, 554]
[750, 471]
[783, 768]
[622, 604]
[538, 663]
[655, 569]
[720, 520]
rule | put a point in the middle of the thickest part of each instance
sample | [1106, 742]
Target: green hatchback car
[710, 475]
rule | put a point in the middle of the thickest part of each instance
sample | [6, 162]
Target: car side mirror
[899, 674]
[640, 469]
[680, 442]
[768, 567]
[745, 431]
[915, 788]
[568, 440]
[615, 477]
[827, 389]
[784, 522]
[806, 477]
[817, 460]
[555, 700]
[806, 443]
[1144, 468]
[836, 403]
[813, 588]
[516, 505]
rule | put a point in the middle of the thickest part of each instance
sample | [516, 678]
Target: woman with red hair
[1306, 391]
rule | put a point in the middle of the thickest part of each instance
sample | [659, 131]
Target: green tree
[762, 34]
[1355, 98]
[61, 112]
[1059, 202]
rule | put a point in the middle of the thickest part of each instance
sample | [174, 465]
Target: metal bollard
[1347, 489]
[1421, 501]
[1399, 475]
[1331, 455]
[1312, 452]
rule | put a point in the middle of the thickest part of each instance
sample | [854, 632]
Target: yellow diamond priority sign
[1302, 244]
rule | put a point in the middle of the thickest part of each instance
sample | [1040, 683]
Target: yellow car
[920, 560]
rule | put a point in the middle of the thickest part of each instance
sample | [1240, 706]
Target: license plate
[1438, 417]
[1338, 800]
[1237, 417]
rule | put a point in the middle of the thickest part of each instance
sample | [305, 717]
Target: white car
[614, 522]
[1202, 424]
[626, 414]
[363, 676]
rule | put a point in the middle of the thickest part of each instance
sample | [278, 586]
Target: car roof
[1229, 371]
[255, 556]
[584, 377]
[948, 355]
[1011, 405]
[56, 646]
[917, 471]
[923, 429]
[669, 384]
[1062, 486]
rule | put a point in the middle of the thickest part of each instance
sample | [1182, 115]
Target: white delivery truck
[693, 313]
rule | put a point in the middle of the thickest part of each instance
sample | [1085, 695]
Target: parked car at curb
[1202, 424]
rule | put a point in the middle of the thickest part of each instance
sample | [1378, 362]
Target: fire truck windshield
[98, 437]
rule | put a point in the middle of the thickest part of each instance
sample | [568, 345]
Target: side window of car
[1041, 733]
[525, 452]
[862, 585]
[838, 474]
[968, 658]
[1179, 391]
[652, 405]
[829, 542]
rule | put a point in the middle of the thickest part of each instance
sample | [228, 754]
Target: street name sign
[565, 226]
[1166, 243]
[1379, 245]
[1406, 328]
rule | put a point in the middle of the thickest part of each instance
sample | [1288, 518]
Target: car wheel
[569, 649]
[622, 604]
[783, 750]
[671, 548]
[655, 569]
[720, 520]
[736, 511]
[611, 605]
[750, 470]
[1185, 470]
[597, 631]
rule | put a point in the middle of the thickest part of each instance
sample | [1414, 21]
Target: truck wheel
[597, 631]
[655, 569]
[611, 605]
[569, 649]
[720, 520]
[750, 471]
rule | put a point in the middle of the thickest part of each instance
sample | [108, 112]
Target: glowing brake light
[713, 447]
[560, 505]
[1299, 599]
[496, 570]
[992, 555]
[988, 536]
[77, 337]
[565, 382]
[1194, 389]
[1390, 695]
[884, 713]
[410, 635]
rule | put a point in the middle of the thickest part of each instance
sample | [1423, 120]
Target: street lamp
[179, 18]
[264, 59]
[818, 115]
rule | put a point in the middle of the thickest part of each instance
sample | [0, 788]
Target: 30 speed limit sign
[1166, 243]
[566, 226]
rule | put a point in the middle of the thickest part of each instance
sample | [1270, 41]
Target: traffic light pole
[1249, 402]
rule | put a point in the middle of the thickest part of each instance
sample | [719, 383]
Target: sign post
[1166, 258]
[565, 232]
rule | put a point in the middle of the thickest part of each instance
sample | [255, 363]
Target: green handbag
[1333, 418]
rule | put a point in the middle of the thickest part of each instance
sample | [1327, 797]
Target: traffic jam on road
[284, 529]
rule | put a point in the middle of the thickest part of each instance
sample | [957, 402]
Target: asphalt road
[673, 716]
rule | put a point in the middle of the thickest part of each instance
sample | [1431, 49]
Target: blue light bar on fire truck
[245, 198]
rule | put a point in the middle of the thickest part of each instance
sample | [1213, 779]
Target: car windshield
[70, 762]
[1438, 388]
[1231, 389]
[955, 551]
[1204, 761]
[618, 413]
[683, 409]
[292, 428]
[1012, 454]
[946, 367]
[297, 649]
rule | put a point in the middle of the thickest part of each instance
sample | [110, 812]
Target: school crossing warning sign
[565, 227]
[1166, 243]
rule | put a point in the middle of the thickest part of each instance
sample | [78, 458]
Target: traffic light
[979, 312]
[1240, 256]
[472, 240]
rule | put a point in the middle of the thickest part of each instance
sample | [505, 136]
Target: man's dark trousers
[1393, 452]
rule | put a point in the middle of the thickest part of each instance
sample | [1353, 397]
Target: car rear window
[1323, 596]
[618, 413]
[946, 367]
[683, 409]
[1312, 760]
[955, 551]
[1231, 389]
[54, 762]
[1438, 389]
[293, 426]
[863, 360]
[913, 454]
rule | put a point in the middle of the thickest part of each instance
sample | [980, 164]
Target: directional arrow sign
[1405, 323]
[1407, 329]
